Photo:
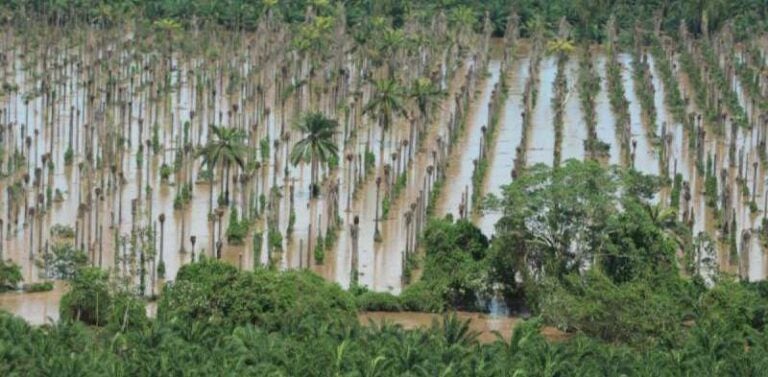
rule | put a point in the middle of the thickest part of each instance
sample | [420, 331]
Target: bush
[216, 293]
[39, 287]
[88, 299]
[62, 231]
[275, 239]
[378, 301]
[165, 172]
[452, 247]
[127, 312]
[10, 275]
[68, 156]
[65, 260]
[370, 161]
[161, 269]
[319, 250]
[237, 230]
[91, 301]
[613, 312]
[423, 296]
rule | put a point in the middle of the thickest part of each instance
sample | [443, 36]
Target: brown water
[646, 157]
[508, 138]
[380, 264]
[606, 121]
[42, 308]
[484, 325]
[541, 142]
[574, 127]
[458, 189]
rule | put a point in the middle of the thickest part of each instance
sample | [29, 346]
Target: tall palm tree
[225, 148]
[463, 20]
[317, 146]
[426, 95]
[392, 41]
[386, 103]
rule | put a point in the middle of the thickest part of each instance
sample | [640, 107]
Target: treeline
[580, 247]
[588, 16]
[215, 320]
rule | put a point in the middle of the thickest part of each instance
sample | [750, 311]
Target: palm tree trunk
[226, 189]
[210, 191]
[384, 126]
[313, 178]
[221, 183]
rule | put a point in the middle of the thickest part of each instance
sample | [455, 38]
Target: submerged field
[103, 133]
[392, 188]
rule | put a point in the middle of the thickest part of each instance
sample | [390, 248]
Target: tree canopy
[587, 16]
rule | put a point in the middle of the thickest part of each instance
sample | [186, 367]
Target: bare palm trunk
[384, 127]
[226, 184]
[210, 192]
[313, 179]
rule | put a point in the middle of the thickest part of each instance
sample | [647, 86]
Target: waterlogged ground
[109, 203]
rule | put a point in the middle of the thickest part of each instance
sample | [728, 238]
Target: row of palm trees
[147, 80]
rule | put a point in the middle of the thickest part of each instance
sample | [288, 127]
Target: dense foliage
[215, 320]
[219, 295]
[10, 275]
[587, 15]
[454, 273]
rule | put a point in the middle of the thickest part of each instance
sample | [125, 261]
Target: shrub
[39, 287]
[62, 231]
[88, 300]
[10, 275]
[69, 156]
[378, 301]
[64, 260]
[370, 160]
[319, 250]
[216, 293]
[237, 230]
[165, 172]
[423, 297]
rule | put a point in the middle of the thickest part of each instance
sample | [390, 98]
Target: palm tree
[228, 148]
[317, 146]
[386, 102]
[463, 20]
[426, 95]
[392, 40]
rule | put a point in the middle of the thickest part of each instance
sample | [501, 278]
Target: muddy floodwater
[102, 145]
[488, 328]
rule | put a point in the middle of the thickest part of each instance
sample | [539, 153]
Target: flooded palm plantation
[139, 154]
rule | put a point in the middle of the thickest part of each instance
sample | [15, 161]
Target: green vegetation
[39, 287]
[65, 260]
[226, 148]
[237, 229]
[586, 16]
[10, 275]
[214, 294]
[454, 273]
[599, 254]
[295, 323]
[317, 147]
[672, 97]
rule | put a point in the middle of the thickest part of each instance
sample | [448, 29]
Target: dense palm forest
[589, 15]
[223, 187]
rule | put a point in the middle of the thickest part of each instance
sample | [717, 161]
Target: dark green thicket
[93, 301]
[454, 273]
[295, 324]
[217, 294]
[586, 16]
[10, 275]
